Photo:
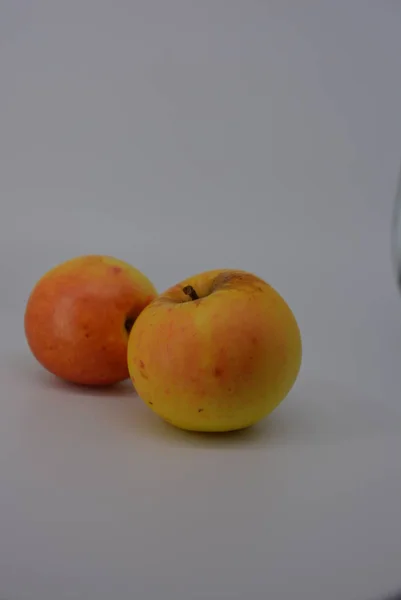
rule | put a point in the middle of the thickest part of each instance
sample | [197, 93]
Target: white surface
[185, 136]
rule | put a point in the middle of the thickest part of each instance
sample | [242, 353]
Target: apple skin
[218, 363]
[76, 318]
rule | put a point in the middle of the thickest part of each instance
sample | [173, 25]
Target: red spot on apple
[116, 270]
[167, 391]
[142, 369]
[218, 372]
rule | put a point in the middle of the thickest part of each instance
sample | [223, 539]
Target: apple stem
[189, 291]
[129, 322]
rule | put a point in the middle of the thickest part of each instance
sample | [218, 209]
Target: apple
[217, 352]
[79, 315]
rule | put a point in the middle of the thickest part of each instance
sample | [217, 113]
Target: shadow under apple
[316, 412]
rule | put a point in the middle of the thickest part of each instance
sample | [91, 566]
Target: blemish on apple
[218, 372]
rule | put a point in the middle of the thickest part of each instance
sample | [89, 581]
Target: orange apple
[79, 315]
[217, 352]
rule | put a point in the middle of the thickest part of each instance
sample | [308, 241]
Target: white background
[183, 136]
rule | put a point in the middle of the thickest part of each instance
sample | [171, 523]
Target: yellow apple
[217, 352]
[78, 318]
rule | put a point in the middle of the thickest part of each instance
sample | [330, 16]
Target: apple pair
[217, 352]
